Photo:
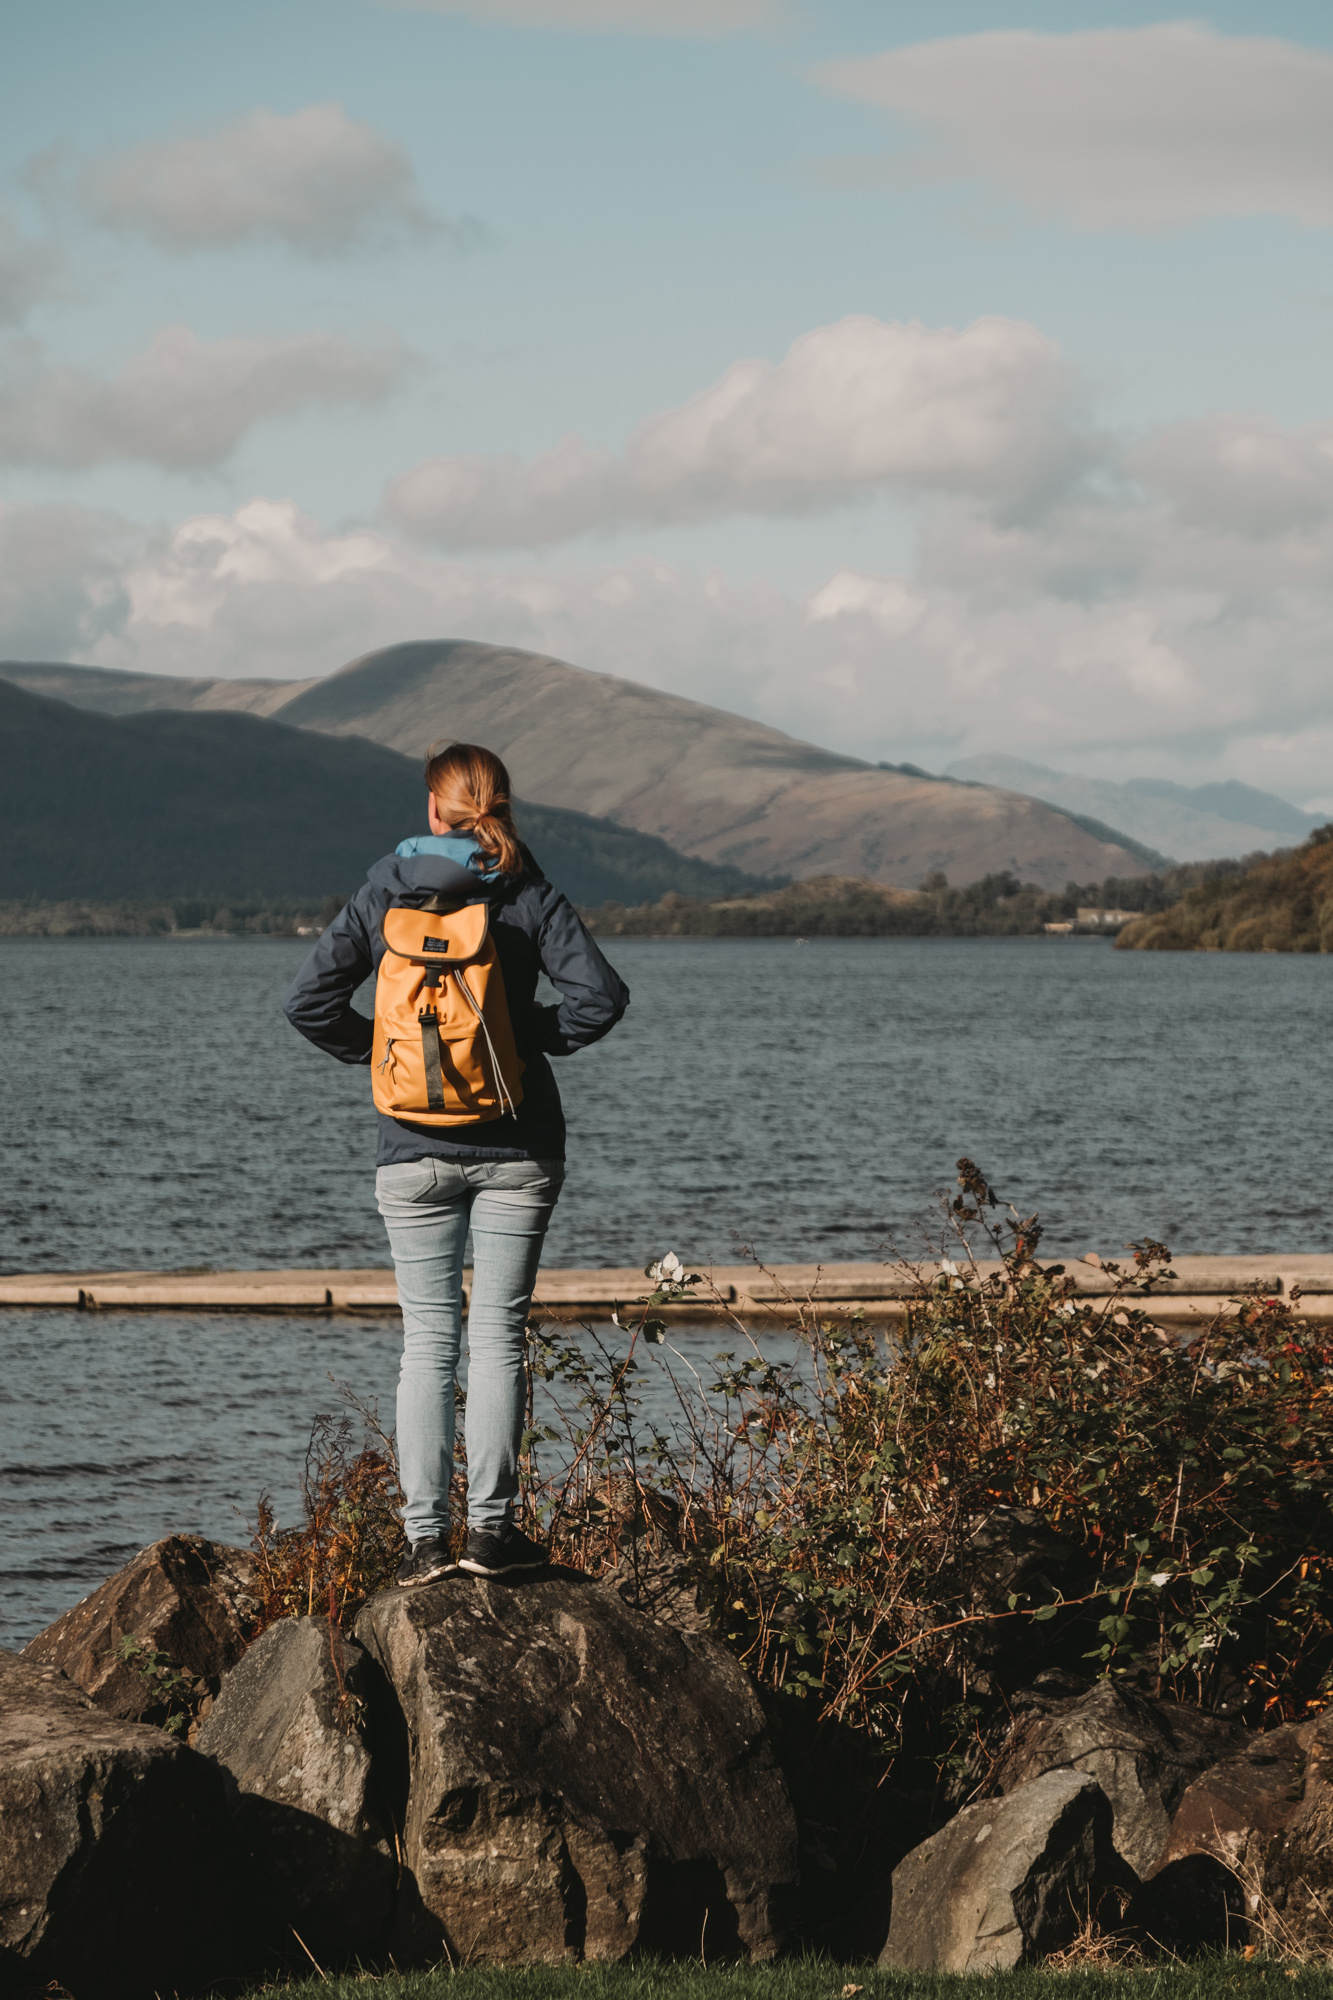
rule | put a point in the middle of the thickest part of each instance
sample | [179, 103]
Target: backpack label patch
[434, 944]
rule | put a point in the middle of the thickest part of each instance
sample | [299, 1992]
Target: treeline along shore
[1279, 903]
[184, 916]
[840, 906]
[823, 906]
[1276, 902]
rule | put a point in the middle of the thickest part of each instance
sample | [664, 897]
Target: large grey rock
[114, 1875]
[186, 1598]
[584, 1780]
[1142, 1753]
[1006, 1881]
[1291, 1888]
[290, 1726]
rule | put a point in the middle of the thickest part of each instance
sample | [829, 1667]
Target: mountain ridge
[714, 785]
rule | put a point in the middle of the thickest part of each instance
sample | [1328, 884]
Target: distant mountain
[1191, 823]
[1243, 804]
[170, 804]
[1151, 857]
[711, 784]
[108, 691]
[1282, 903]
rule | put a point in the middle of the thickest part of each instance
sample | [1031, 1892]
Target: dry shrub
[350, 1541]
[1273, 1932]
[832, 1500]
[1096, 1947]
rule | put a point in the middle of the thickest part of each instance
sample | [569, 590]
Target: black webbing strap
[430, 1056]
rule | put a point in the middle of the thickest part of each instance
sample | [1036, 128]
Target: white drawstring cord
[505, 1098]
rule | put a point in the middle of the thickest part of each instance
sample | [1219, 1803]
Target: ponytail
[471, 790]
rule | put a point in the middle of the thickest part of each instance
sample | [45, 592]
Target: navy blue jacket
[535, 930]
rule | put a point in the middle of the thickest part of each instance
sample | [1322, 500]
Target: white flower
[1162, 1576]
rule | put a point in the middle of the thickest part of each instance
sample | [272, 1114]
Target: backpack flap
[437, 939]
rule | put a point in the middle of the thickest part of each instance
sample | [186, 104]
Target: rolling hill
[216, 804]
[711, 784]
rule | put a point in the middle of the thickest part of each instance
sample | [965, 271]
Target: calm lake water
[157, 1111]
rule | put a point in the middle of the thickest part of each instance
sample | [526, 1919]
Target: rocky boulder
[1293, 1895]
[1008, 1881]
[185, 1599]
[1238, 1810]
[290, 1727]
[114, 1864]
[585, 1781]
[1142, 1753]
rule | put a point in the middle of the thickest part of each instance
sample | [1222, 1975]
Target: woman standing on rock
[457, 926]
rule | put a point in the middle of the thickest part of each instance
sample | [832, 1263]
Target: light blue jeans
[427, 1207]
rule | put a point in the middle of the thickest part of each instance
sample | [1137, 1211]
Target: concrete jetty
[1202, 1287]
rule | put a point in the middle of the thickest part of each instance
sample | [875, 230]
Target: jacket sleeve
[592, 995]
[319, 1005]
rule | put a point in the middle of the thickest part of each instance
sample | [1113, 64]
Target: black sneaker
[497, 1551]
[425, 1561]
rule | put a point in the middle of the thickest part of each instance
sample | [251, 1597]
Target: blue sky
[302, 295]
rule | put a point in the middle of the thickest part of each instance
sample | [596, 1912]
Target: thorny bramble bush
[829, 1503]
[832, 1500]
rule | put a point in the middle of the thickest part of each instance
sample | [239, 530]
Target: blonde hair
[471, 790]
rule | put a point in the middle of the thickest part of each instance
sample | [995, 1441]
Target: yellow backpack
[444, 1049]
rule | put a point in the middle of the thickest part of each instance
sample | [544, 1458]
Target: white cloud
[183, 402]
[1194, 653]
[1245, 473]
[315, 179]
[1135, 128]
[62, 572]
[649, 17]
[853, 408]
[27, 271]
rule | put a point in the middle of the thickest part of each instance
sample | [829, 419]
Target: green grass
[810, 1979]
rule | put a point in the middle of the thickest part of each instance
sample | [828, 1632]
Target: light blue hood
[460, 848]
